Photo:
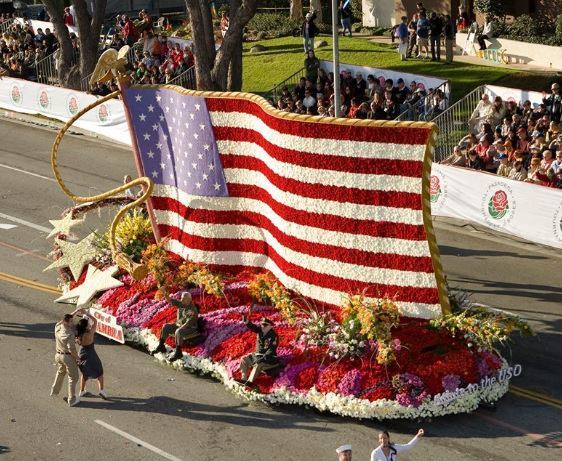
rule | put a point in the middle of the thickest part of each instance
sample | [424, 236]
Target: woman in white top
[387, 451]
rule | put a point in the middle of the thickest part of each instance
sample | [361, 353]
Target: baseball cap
[535, 134]
[502, 156]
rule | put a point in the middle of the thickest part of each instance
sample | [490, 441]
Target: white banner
[44, 25]
[526, 210]
[514, 94]
[108, 119]
[428, 82]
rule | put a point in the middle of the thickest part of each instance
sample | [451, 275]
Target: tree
[316, 5]
[295, 11]
[88, 36]
[219, 70]
[492, 8]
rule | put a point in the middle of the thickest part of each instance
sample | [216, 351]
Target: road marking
[24, 251]
[134, 439]
[536, 396]
[27, 172]
[7, 226]
[25, 223]
[29, 283]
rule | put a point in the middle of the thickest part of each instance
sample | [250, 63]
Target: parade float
[321, 225]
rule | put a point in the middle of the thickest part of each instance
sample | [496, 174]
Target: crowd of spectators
[515, 140]
[374, 98]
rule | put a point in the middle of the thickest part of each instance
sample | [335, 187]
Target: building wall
[386, 13]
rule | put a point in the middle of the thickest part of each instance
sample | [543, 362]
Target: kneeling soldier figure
[265, 355]
[185, 326]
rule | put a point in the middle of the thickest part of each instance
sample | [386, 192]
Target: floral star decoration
[96, 280]
[63, 226]
[75, 255]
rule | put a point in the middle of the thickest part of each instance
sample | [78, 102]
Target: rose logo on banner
[44, 100]
[16, 95]
[498, 205]
[103, 113]
[437, 190]
[557, 223]
[72, 104]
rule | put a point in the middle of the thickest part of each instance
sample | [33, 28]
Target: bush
[525, 26]
[492, 8]
[558, 31]
[272, 24]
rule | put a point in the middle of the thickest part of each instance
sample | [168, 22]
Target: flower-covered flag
[329, 206]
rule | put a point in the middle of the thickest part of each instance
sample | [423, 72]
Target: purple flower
[351, 383]
[396, 345]
[289, 375]
[451, 382]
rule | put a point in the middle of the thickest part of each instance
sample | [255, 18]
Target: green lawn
[284, 56]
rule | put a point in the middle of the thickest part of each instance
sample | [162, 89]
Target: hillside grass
[284, 56]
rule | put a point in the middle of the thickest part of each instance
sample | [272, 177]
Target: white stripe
[25, 223]
[138, 441]
[327, 177]
[7, 226]
[357, 149]
[322, 206]
[326, 295]
[8, 167]
[303, 232]
[317, 264]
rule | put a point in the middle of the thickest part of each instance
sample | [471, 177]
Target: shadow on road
[456, 251]
[239, 415]
[28, 330]
[4, 449]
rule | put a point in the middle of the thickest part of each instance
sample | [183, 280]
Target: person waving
[387, 451]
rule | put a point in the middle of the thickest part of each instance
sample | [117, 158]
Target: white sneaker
[75, 402]
[82, 393]
[103, 394]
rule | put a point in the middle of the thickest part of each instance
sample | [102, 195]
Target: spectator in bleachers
[474, 161]
[480, 113]
[504, 167]
[311, 66]
[457, 158]
[553, 103]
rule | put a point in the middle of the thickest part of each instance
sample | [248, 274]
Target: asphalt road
[188, 417]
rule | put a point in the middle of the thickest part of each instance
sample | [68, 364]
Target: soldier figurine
[266, 348]
[66, 358]
[185, 326]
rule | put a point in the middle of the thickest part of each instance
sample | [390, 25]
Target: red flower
[500, 200]
[435, 185]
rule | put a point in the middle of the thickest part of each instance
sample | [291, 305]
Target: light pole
[336, 59]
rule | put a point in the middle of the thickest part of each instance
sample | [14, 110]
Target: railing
[46, 70]
[292, 80]
[6, 25]
[417, 111]
[453, 123]
[186, 79]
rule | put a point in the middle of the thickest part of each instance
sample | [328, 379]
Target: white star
[159, 146]
[189, 174]
[155, 174]
[96, 281]
[181, 113]
[171, 100]
[151, 108]
[63, 226]
[206, 147]
[167, 109]
[171, 175]
[150, 154]
[211, 167]
[192, 116]
[190, 145]
[194, 165]
[161, 118]
[217, 186]
[186, 125]
[158, 98]
[185, 154]
[173, 119]
[138, 98]
[155, 127]
[165, 136]
[200, 156]
[184, 182]
[195, 135]
[146, 136]
[169, 156]
[205, 177]
[142, 117]
[162, 165]
[171, 128]
[198, 185]
[183, 104]
[182, 163]
[202, 127]
[197, 106]
[75, 255]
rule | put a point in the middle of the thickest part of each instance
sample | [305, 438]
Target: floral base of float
[430, 375]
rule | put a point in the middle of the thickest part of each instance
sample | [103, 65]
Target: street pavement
[158, 413]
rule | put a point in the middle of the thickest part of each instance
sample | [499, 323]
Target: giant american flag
[330, 207]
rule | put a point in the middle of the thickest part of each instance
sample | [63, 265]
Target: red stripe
[337, 162]
[320, 221]
[391, 135]
[398, 293]
[318, 191]
[321, 250]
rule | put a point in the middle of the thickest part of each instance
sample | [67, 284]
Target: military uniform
[186, 322]
[65, 358]
[265, 354]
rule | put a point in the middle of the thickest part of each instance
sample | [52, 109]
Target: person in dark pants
[345, 16]
[309, 31]
[266, 348]
[412, 28]
[487, 33]
[435, 30]
[449, 31]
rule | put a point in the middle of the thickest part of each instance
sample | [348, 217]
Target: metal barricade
[185, 79]
[453, 123]
[291, 81]
[7, 25]
[46, 70]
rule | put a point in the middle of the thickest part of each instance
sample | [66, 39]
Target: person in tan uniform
[66, 358]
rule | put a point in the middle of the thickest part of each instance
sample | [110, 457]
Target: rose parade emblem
[44, 100]
[103, 113]
[498, 205]
[437, 189]
[15, 95]
[72, 104]
[434, 189]
[557, 223]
